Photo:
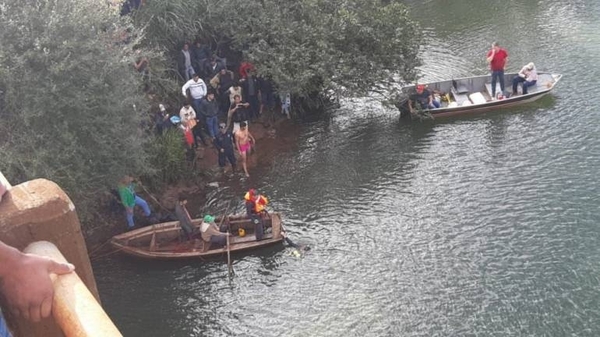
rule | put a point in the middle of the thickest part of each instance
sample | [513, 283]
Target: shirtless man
[244, 141]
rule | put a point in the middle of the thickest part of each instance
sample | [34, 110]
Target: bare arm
[25, 282]
[237, 142]
[214, 230]
[3, 190]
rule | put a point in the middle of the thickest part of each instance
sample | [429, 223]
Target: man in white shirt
[197, 89]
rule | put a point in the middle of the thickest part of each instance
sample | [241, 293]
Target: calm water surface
[484, 226]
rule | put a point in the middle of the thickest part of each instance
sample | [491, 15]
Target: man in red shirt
[497, 58]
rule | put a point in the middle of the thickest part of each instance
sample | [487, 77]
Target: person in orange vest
[255, 209]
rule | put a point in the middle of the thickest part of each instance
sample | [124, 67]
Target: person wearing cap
[210, 110]
[129, 199]
[424, 98]
[244, 141]
[224, 144]
[497, 58]
[527, 76]
[211, 233]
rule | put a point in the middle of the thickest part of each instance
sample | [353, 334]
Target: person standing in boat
[129, 199]
[185, 220]
[423, 97]
[528, 76]
[497, 58]
[256, 210]
[211, 233]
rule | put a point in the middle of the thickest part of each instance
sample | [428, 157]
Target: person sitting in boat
[211, 233]
[528, 76]
[423, 97]
[255, 209]
[185, 221]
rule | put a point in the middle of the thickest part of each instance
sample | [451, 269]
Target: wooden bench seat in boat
[477, 98]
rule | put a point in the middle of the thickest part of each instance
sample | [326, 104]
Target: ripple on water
[473, 226]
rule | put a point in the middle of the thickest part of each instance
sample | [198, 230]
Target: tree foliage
[72, 106]
[346, 45]
[168, 154]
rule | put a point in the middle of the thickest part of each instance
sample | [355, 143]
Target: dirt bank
[271, 137]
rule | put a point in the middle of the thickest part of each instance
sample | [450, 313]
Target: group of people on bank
[497, 58]
[219, 105]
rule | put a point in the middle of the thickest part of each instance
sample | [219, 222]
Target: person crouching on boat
[255, 209]
[528, 76]
[211, 233]
[185, 221]
[424, 98]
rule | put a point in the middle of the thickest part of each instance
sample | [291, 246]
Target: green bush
[72, 105]
[350, 46]
[167, 152]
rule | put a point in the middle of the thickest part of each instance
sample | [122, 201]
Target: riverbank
[272, 138]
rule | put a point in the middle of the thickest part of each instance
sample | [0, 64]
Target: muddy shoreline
[272, 138]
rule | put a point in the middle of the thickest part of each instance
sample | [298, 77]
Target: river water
[484, 226]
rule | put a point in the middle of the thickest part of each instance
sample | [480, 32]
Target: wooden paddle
[229, 265]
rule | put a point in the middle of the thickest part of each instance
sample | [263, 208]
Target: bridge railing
[74, 309]
[39, 210]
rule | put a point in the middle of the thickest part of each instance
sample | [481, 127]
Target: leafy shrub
[72, 105]
[167, 152]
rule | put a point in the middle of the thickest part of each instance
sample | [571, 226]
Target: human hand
[27, 286]
[3, 190]
[129, 210]
[222, 150]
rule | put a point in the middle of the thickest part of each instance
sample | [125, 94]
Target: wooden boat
[167, 240]
[471, 95]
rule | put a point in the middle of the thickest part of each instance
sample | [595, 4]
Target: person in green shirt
[129, 199]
